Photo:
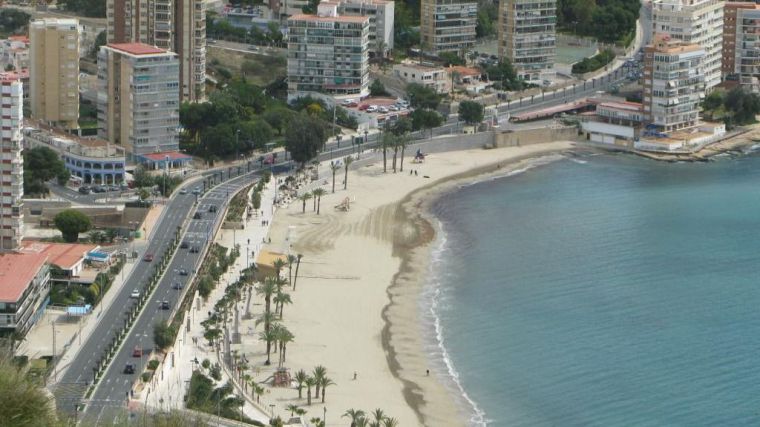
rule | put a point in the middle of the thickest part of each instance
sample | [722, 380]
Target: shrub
[206, 363]
[153, 365]
[216, 372]
[594, 63]
[146, 376]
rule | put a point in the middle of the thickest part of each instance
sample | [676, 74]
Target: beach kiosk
[265, 264]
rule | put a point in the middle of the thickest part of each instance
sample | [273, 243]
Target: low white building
[435, 78]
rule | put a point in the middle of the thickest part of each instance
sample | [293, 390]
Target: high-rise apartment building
[741, 43]
[380, 14]
[54, 71]
[448, 25]
[697, 22]
[175, 25]
[527, 36]
[11, 162]
[328, 53]
[674, 83]
[138, 98]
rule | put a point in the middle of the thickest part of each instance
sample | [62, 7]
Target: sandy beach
[356, 305]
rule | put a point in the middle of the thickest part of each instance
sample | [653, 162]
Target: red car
[363, 107]
[148, 257]
[137, 352]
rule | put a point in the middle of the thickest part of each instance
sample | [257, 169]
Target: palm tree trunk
[403, 147]
[319, 203]
[333, 190]
[314, 208]
[395, 153]
[308, 396]
[295, 278]
[345, 179]
[323, 395]
[248, 304]
[385, 160]
[303, 209]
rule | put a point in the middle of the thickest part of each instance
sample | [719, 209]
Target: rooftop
[136, 48]
[463, 71]
[64, 255]
[664, 44]
[627, 106]
[172, 155]
[267, 258]
[315, 18]
[12, 76]
[16, 272]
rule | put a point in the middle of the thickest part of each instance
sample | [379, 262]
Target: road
[113, 385]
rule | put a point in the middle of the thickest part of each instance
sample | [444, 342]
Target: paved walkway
[171, 380]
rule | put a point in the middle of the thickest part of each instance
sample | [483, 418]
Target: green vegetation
[608, 21]
[471, 112]
[451, 58]
[70, 223]
[41, 164]
[88, 114]
[426, 119]
[377, 89]
[166, 184]
[422, 97]
[305, 135]
[219, 28]
[594, 63]
[488, 19]
[25, 403]
[100, 40]
[163, 335]
[506, 76]
[203, 396]
[76, 294]
[216, 263]
[735, 108]
[13, 21]
[89, 8]
[153, 365]
[237, 205]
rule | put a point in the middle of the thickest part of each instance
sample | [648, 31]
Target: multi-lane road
[114, 384]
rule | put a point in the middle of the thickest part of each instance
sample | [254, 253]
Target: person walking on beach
[427, 372]
[354, 375]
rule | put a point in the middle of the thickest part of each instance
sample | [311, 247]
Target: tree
[277, 118]
[268, 336]
[377, 89]
[163, 335]
[309, 382]
[471, 112]
[426, 119]
[89, 8]
[713, 101]
[292, 408]
[318, 373]
[304, 136]
[300, 378]
[25, 403]
[13, 20]
[281, 299]
[505, 73]
[71, 222]
[298, 265]
[284, 337]
[390, 422]
[379, 415]
[267, 289]
[346, 162]
[451, 58]
[304, 198]
[100, 41]
[324, 382]
[422, 96]
[334, 167]
[354, 415]
[41, 164]
[318, 193]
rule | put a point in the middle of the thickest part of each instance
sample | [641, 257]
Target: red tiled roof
[136, 48]
[159, 157]
[16, 271]
[64, 255]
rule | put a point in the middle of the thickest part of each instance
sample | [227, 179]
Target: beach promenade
[356, 306]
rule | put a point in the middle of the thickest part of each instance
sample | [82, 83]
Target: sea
[601, 290]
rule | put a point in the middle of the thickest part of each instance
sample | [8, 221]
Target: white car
[382, 109]
[372, 108]
[135, 294]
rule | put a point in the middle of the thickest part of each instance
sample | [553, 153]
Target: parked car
[363, 107]
[197, 190]
[84, 190]
[129, 368]
[135, 294]
[372, 108]
[137, 352]
[148, 258]
[382, 109]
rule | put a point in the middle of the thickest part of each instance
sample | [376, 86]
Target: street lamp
[324, 415]
[237, 142]
[338, 138]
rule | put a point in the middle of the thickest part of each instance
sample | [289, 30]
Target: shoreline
[409, 284]
[357, 308]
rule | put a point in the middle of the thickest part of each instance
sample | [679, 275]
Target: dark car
[84, 190]
[148, 257]
[197, 215]
[212, 208]
[129, 368]
[194, 250]
[177, 286]
[184, 245]
[165, 305]
[182, 272]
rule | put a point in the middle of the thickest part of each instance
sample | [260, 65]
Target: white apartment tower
[54, 71]
[138, 98]
[448, 25]
[380, 14]
[175, 25]
[328, 53]
[698, 22]
[527, 36]
[674, 84]
[11, 162]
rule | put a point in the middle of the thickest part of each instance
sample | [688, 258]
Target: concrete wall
[535, 136]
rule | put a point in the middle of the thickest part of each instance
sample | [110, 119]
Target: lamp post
[338, 138]
[237, 142]
[324, 415]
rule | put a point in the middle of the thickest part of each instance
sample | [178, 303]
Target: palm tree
[269, 337]
[318, 193]
[362, 422]
[24, 402]
[390, 422]
[291, 260]
[354, 414]
[298, 265]
[303, 198]
[284, 337]
[310, 382]
[324, 382]
[402, 141]
[276, 332]
[346, 162]
[334, 167]
[292, 408]
[300, 378]
[259, 391]
[281, 299]
[267, 289]
[318, 373]
[386, 141]
[300, 412]
[278, 265]
[379, 415]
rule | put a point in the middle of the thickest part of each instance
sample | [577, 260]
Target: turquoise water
[608, 291]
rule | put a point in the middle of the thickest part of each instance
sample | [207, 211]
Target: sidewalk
[170, 382]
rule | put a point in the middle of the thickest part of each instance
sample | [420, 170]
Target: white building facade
[11, 162]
